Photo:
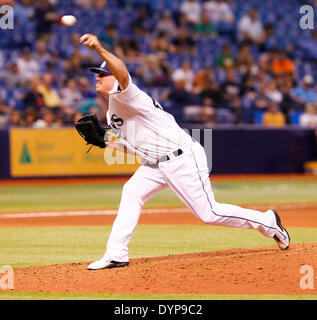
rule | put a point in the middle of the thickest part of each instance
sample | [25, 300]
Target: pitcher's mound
[237, 271]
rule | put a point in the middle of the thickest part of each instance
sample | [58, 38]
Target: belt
[171, 155]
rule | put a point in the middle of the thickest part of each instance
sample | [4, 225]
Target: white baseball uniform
[173, 159]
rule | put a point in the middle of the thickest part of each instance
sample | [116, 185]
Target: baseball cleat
[281, 236]
[104, 263]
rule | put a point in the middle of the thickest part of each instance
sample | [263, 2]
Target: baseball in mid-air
[68, 20]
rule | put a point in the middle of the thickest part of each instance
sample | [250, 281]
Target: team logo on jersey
[115, 125]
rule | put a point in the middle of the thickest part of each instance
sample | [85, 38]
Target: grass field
[21, 247]
[96, 196]
[110, 296]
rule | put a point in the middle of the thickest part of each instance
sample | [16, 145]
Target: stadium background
[258, 97]
[202, 68]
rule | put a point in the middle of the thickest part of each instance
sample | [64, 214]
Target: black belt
[176, 153]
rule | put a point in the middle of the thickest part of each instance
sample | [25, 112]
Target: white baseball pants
[188, 176]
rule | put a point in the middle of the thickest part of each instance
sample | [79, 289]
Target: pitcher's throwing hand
[90, 41]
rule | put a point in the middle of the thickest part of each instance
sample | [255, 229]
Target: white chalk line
[84, 213]
[25, 215]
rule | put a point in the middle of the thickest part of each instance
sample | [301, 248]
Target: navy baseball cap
[103, 68]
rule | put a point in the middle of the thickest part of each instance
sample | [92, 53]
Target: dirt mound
[238, 271]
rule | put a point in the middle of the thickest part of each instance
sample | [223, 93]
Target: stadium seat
[225, 116]
[294, 117]
[258, 116]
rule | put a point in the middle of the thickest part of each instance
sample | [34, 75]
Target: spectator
[164, 65]
[4, 113]
[70, 95]
[273, 117]
[249, 88]
[27, 65]
[11, 3]
[208, 113]
[281, 64]
[85, 88]
[272, 93]
[54, 65]
[97, 102]
[50, 95]
[265, 60]
[182, 21]
[218, 11]
[24, 11]
[47, 121]
[231, 94]
[248, 99]
[167, 25]
[179, 97]
[46, 16]
[309, 118]
[150, 72]
[191, 10]
[183, 43]
[202, 79]
[305, 93]
[205, 28]
[261, 101]
[269, 38]
[161, 43]
[32, 97]
[286, 84]
[185, 72]
[212, 92]
[225, 59]
[41, 55]
[128, 50]
[231, 89]
[99, 4]
[244, 60]
[141, 26]
[30, 117]
[15, 119]
[74, 66]
[250, 28]
[84, 4]
[109, 36]
[12, 77]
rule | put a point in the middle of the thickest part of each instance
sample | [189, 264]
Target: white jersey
[141, 124]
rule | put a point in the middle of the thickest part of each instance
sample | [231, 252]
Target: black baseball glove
[89, 128]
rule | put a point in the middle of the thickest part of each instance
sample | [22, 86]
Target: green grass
[20, 247]
[97, 196]
[110, 296]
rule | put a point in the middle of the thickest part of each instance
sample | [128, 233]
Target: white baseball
[68, 20]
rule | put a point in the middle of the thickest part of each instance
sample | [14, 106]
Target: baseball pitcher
[171, 159]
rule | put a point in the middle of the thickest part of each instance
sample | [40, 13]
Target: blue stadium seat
[258, 117]
[225, 116]
[294, 117]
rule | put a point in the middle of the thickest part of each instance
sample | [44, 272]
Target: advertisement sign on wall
[60, 152]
